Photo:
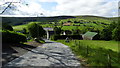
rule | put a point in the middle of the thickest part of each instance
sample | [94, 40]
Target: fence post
[79, 45]
[87, 51]
[109, 61]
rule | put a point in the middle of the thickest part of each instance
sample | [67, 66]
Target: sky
[105, 8]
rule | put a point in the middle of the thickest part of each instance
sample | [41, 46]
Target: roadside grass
[96, 52]
[113, 45]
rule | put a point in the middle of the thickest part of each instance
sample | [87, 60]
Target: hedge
[55, 37]
[13, 37]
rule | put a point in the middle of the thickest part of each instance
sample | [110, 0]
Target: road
[49, 55]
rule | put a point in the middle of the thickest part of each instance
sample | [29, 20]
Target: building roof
[49, 29]
[90, 34]
[67, 24]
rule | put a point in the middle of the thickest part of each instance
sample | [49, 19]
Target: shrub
[12, 37]
[7, 27]
[115, 34]
[57, 30]
[55, 37]
[35, 30]
[106, 34]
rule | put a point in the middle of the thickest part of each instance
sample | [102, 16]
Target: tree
[57, 30]
[75, 31]
[6, 26]
[116, 32]
[35, 30]
[106, 34]
[110, 32]
[10, 5]
[24, 31]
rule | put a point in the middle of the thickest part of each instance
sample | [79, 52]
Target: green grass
[95, 52]
[68, 27]
[47, 25]
[104, 44]
[113, 45]
[19, 27]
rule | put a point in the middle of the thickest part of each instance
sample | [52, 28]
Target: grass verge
[96, 53]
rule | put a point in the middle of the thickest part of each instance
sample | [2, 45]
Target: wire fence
[97, 56]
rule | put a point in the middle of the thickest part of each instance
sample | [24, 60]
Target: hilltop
[25, 20]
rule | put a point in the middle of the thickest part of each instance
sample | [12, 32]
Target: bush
[57, 30]
[106, 34]
[115, 34]
[7, 27]
[35, 30]
[12, 37]
[56, 37]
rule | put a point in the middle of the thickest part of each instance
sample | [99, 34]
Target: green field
[19, 27]
[95, 52]
[113, 45]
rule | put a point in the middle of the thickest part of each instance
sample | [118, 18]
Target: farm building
[90, 36]
[49, 32]
[67, 24]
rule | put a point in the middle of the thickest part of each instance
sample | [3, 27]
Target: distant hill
[24, 20]
[98, 17]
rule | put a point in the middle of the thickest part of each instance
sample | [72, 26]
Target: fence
[97, 56]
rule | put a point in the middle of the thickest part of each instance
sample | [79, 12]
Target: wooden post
[79, 45]
[109, 61]
[87, 51]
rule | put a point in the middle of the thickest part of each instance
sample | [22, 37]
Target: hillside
[24, 20]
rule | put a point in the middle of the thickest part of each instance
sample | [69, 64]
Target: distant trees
[116, 32]
[75, 31]
[106, 34]
[35, 30]
[111, 32]
[6, 26]
[57, 30]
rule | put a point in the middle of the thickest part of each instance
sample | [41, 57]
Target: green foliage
[24, 31]
[13, 37]
[55, 37]
[19, 27]
[6, 26]
[110, 32]
[106, 34]
[35, 30]
[75, 31]
[115, 34]
[39, 40]
[57, 30]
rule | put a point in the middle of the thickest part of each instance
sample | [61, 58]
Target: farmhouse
[90, 35]
[67, 24]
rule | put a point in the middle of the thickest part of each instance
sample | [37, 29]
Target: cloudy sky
[107, 8]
